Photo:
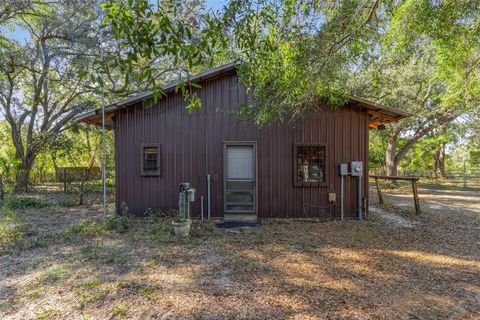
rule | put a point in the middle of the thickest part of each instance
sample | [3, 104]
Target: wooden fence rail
[414, 188]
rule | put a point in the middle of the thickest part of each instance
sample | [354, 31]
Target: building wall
[192, 147]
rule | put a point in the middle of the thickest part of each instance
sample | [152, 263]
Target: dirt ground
[395, 265]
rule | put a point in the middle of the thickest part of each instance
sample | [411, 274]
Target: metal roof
[379, 114]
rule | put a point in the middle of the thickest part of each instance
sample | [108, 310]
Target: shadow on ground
[290, 269]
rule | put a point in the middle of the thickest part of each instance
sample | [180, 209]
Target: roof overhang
[379, 114]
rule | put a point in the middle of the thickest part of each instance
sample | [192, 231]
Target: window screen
[150, 160]
[309, 165]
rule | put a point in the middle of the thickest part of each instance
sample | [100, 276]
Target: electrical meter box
[343, 169]
[356, 168]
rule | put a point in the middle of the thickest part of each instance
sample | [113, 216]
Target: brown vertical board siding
[192, 147]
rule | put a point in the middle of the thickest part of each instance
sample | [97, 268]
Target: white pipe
[359, 199]
[209, 199]
[104, 152]
[188, 204]
[201, 206]
[342, 216]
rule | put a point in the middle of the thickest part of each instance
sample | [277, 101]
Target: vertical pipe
[342, 215]
[359, 197]
[209, 199]
[104, 152]
[187, 200]
[201, 206]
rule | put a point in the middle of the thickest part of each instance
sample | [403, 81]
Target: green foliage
[15, 203]
[418, 55]
[376, 150]
[85, 228]
[177, 37]
[294, 54]
[161, 230]
[55, 275]
[155, 215]
[41, 77]
[150, 293]
[120, 311]
[89, 285]
[46, 314]
[119, 222]
[10, 229]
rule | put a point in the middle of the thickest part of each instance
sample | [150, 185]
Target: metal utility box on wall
[332, 197]
[356, 168]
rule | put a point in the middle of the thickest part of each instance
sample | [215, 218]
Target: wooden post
[415, 197]
[64, 180]
[82, 189]
[380, 195]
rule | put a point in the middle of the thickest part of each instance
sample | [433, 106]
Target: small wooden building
[286, 170]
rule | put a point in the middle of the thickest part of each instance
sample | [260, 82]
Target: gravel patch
[392, 219]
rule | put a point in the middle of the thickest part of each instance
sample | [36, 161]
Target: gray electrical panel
[343, 169]
[356, 168]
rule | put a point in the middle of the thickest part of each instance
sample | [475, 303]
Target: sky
[22, 36]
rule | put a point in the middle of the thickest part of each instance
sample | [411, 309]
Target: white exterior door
[240, 178]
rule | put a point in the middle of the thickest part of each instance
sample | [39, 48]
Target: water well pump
[186, 195]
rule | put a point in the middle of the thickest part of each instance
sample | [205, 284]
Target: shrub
[119, 222]
[162, 230]
[15, 203]
[66, 203]
[154, 215]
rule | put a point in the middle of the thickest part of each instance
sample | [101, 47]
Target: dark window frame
[150, 173]
[297, 183]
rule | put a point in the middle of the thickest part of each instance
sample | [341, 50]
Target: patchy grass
[428, 268]
[150, 293]
[10, 229]
[47, 314]
[89, 284]
[120, 311]
[54, 275]
[85, 227]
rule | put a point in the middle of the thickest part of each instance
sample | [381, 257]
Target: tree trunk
[436, 163]
[392, 158]
[441, 162]
[391, 161]
[23, 174]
